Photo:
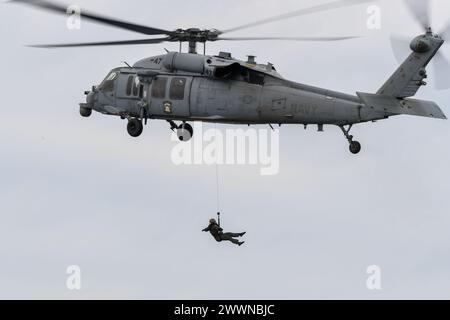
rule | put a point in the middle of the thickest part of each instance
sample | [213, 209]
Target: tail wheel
[355, 147]
[185, 132]
[135, 127]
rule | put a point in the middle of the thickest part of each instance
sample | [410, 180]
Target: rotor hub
[421, 44]
[195, 35]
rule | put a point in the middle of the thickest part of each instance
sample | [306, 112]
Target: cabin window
[159, 87]
[177, 87]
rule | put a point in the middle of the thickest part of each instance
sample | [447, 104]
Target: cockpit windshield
[108, 83]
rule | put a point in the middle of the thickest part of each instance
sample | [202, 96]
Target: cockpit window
[136, 86]
[129, 85]
[111, 77]
[108, 83]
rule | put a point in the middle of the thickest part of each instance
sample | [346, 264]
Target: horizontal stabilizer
[394, 106]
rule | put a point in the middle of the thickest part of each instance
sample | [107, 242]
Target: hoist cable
[217, 181]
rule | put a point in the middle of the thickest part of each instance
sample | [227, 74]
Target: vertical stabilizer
[410, 76]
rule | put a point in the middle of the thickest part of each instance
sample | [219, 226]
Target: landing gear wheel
[355, 147]
[135, 127]
[185, 132]
[85, 112]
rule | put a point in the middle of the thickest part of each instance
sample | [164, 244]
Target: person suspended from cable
[218, 234]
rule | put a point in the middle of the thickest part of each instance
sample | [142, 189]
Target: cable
[217, 180]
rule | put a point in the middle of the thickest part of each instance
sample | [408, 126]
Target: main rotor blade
[301, 12]
[421, 11]
[62, 9]
[99, 44]
[287, 38]
[442, 72]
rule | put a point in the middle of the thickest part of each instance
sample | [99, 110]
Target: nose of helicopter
[90, 98]
[87, 107]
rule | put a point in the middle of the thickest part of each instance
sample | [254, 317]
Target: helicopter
[189, 87]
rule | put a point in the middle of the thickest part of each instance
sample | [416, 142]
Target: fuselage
[242, 94]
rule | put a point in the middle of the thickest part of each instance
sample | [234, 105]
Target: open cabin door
[169, 96]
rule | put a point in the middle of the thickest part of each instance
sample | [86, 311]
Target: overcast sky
[78, 191]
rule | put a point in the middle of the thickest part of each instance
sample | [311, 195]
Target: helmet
[212, 221]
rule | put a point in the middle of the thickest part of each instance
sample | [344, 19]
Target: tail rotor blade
[442, 72]
[421, 11]
[445, 34]
[400, 47]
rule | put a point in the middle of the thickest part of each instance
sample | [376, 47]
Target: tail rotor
[400, 45]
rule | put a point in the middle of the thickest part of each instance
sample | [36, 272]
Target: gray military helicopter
[185, 87]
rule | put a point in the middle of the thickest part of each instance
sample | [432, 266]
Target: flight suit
[218, 234]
